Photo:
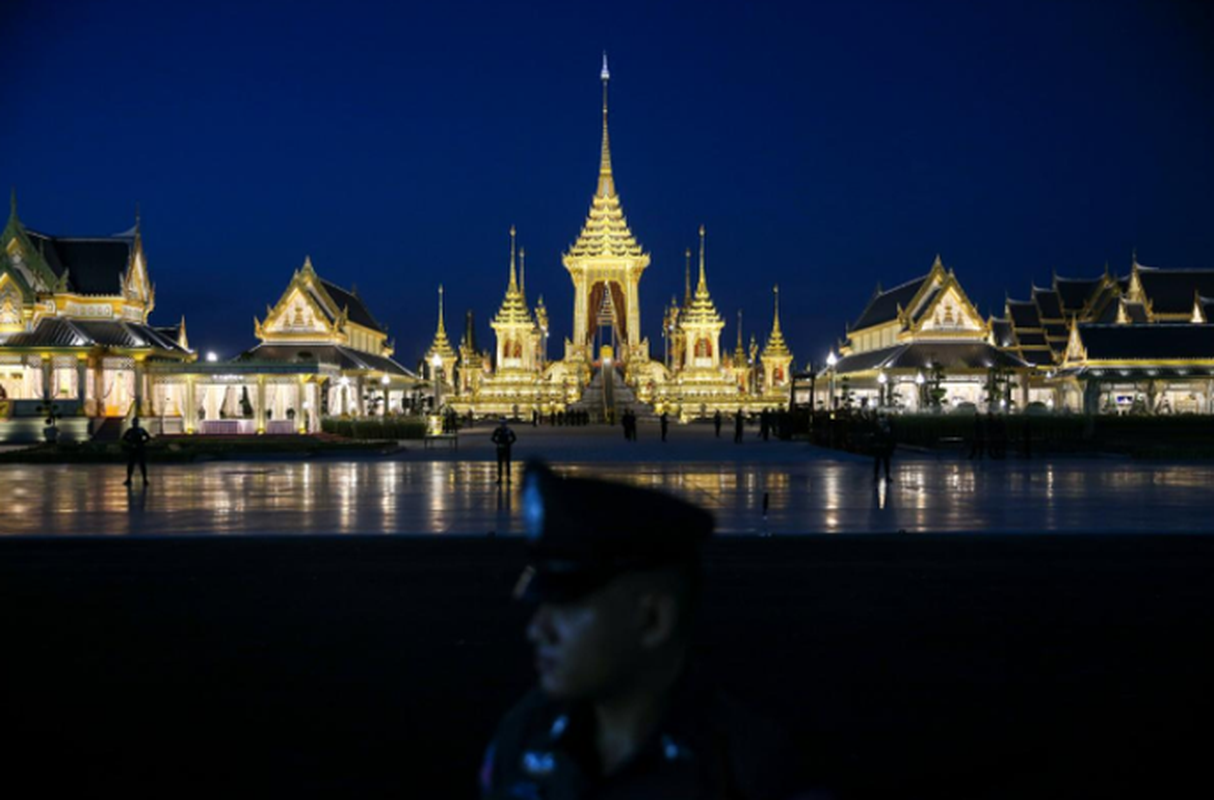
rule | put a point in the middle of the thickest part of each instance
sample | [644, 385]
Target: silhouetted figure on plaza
[738, 421]
[504, 438]
[535, 418]
[716, 423]
[998, 437]
[978, 444]
[665, 424]
[135, 440]
[620, 709]
[765, 424]
[883, 446]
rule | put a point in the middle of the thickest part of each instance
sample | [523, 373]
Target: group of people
[628, 421]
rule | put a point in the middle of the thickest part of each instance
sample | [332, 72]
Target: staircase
[607, 397]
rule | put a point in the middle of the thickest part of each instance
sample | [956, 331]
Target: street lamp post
[831, 361]
[919, 380]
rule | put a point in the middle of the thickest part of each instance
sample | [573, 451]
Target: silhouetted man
[619, 710]
[883, 446]
[716, 423]
[136, 439]
[504, 438]
[665, 424]
[738, 420]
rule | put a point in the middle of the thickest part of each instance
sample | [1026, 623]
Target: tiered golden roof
[605, 232]
[441, 346]
[776, 345]
[513, 312]
[702, 312]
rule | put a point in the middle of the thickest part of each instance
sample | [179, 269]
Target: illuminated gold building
[75, 329]
[606, 364]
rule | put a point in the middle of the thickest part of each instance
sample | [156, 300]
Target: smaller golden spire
[687, 281]
[703, 285]
[513, 277]
[442, 327]
[522, 272]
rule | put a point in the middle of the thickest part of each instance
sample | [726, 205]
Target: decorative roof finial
[522, 272]
[308, 264]
[138, 218]
[606, 181]
[1134, 256]
[740, 349]
[687, 280]
[776, 291]
[441, 324]
[12, 203]
[703, 285]
[513, 276]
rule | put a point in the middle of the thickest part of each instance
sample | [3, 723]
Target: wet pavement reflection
[460, 497]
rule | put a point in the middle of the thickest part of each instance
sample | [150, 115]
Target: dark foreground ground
[912, 667]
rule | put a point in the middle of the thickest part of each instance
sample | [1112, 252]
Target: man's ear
[659, 618]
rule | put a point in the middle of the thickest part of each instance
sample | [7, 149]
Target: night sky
[826, 147]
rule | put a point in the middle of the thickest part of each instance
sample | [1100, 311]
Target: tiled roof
[1024, 313]
[1171, 291]
[358, 312]
[333, 355]
[1001, 332]
[923, 355]
[95, 266]
[1048, 303]
[61, 332]
[1161, 341]
[1074, 293]
[884, 305]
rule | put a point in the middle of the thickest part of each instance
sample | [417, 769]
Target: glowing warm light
[919, 378]
[212, 357]
[882, 378]
[831, 360]
[436, 361]
[385, 380]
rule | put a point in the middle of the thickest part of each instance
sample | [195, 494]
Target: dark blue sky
[826, 146]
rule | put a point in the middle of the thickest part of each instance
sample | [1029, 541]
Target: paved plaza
[425, 492]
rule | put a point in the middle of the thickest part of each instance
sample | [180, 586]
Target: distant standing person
[665, 424]
[978, 446]
[136, 439]
[738, 421]
[883, 447]
[716, 423]
[504, 438]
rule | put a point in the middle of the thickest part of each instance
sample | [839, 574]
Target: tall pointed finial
[703, 285]
[522, 272]
[137, 218]
[776, 291]
[687, 280]
[740, 348]
[12, 203]
[606, 181]
[513, 276]
[442, 327]
[307, 267]
[1133, 255]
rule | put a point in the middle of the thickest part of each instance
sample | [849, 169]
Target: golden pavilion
[606, 364]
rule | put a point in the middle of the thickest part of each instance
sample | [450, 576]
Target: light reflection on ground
[807, 495]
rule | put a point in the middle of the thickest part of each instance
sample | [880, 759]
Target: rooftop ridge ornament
[606, 186]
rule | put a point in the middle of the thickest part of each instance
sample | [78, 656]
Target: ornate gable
[951, 312]
[299, 314]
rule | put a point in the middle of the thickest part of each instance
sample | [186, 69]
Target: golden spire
[514, 308]
[776, 346]
[513, 277]
[522, 272]
[739, 353]
[687, 281]
[441, 346]
[702, 286]
[702, 311]
[606, 181]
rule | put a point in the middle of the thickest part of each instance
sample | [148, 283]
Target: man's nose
[539, 628]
